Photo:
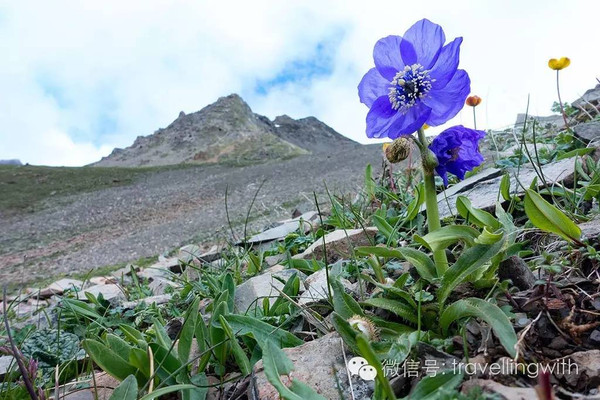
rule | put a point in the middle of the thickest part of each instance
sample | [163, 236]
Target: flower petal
[372, 86]
[386, 54]
[409, 123]
[447, 102]
[426, 39]
[446, 64]
[380, 117]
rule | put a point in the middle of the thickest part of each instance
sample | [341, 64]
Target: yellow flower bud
[559, 64]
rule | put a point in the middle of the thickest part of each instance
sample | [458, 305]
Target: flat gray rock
[281, 231]
[589, 101]
[484, 193]
[7, 363]
[252, 292]
[111, 293]
[588, 132]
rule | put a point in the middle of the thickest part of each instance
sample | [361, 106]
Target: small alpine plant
[416, 82]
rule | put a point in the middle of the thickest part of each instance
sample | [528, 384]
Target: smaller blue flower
[457, 151]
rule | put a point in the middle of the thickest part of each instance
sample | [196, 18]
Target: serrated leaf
[474, 215]
[490, 313]
[547, 217]
[127, 390]
[399, 308]
[469, 261]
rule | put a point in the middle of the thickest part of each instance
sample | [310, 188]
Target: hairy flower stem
[474, 119]
[431, 206]
[562, 109]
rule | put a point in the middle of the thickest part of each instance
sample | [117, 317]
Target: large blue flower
[416, 80]
[457, 151]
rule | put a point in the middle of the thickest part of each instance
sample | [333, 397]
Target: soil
[158, 212]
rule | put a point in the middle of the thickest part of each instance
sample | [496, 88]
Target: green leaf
[291, 289]
[127, 390]
[428, 388]
[133, 335]
[343, 303]
[166, 363]
[403, 294]
[217, 334]
[229, 286]
[162, 337]
[367, 352]
[447, 235]
[262, 332]
[490, 313]
[421, 261]
[369, 183]
[415, 205]
[119, 346]
[505, 187]
[346, 331]
[399, 308]
[240, 356]
[139, 359]
[167, 390]
[475, 215]
[576, 152]
[203, 340]
[108, 360]
[187, 332]
[469, 261]
[385, 229]
[546, 217]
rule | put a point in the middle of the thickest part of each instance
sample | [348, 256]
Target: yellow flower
[559, 64]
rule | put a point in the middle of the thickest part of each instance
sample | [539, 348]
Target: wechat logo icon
[359, 366]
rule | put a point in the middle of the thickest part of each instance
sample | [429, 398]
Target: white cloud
[83, 77]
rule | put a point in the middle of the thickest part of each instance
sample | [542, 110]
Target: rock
[316, 287]
[515, 269]
[590, 101]
[285, 228]
[193, 252]
[160, 299]
[320, 365]
[556, 120]
[339, 244]
[483, 193]
[160, 286]
[582, 369]
[60, 286]
[508, 393]
[79, 395]
[274, 260]
[595, 337]
[153, 273]
[104, 384]
[588, 132]
[111, 293]
[590, 230]
[7, 363]
[527, 147]
[102, 280]
[252, 292]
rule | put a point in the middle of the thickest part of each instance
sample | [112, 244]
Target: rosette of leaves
[52, 347]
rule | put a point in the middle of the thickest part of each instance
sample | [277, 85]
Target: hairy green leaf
[547, 217]
[469, 261]
[490, 313]
[399, 308]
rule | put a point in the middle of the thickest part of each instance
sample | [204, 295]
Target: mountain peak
[227, 131]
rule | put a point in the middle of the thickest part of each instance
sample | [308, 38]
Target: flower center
[408, 86]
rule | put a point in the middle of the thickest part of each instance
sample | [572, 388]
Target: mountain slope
[227, 132]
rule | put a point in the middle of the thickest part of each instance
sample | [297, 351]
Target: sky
[79, 78]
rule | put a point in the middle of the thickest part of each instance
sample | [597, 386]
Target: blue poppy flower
[457, 151]
[416, 80]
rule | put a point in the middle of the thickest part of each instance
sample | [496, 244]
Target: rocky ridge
[228, 132]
